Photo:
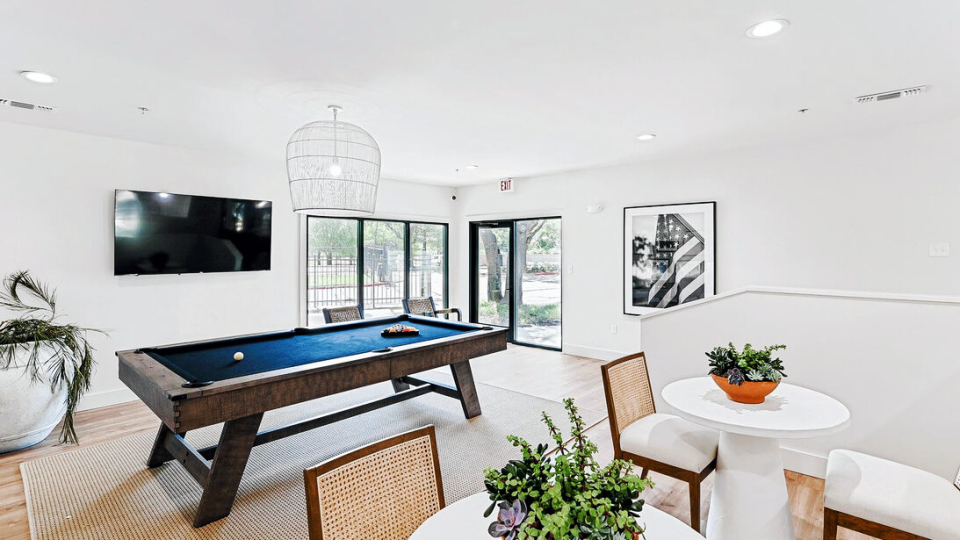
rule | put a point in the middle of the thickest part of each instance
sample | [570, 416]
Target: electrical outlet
[570, 271]
[613, 329]
[939, 249]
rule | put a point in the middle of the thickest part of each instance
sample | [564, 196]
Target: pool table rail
[184, 409]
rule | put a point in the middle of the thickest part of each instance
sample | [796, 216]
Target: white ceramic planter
[29, 409]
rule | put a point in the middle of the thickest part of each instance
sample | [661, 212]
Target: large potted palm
[45, 365]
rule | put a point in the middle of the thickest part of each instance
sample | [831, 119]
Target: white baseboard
[804, 462]
[591, 352]
[106, 398]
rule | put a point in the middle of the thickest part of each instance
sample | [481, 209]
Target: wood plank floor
[545, 374]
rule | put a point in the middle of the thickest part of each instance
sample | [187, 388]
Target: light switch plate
[939, 249]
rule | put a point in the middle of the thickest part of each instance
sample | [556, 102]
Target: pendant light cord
[335, 153]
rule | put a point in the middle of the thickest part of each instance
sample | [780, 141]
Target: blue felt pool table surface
[213, 360]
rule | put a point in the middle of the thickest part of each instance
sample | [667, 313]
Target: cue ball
[238, 356]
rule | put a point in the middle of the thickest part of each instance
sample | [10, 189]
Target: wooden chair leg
[830, 524]
[644, 472]
[695, 504]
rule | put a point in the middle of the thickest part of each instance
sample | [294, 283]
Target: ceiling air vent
[894, 94]
[27, 106]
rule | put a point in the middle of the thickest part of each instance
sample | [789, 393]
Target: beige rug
[105, 492]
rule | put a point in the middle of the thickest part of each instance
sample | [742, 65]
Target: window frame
[407, 257]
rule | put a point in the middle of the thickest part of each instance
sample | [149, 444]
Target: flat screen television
[164, 233]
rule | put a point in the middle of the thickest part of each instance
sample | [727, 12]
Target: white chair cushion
[672, 440]
[892, 494]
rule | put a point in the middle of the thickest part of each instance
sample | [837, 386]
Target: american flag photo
[669, 256]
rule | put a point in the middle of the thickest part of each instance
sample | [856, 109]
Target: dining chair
[427, 308]
[658, 442]
[342, 314]
[888, 500]
[384, 490]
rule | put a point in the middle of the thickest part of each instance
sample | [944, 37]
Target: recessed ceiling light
[38, 77]
[647, 137]
[767, 28]
[471, 167]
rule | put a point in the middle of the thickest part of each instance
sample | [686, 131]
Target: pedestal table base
[749, 500]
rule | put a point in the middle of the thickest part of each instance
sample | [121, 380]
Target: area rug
[105, 492]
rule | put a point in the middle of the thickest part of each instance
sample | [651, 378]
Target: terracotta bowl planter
[749, 392]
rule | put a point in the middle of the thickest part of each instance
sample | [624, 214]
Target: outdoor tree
[534, 236]
[492, 253]
[380, 238]
[333, 237]
[526, 233]
[548, 241]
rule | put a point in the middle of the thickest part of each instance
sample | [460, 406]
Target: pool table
[198, 384]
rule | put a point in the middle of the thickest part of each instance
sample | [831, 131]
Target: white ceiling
[518, 87]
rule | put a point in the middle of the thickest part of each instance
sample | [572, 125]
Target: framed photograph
[669, 255]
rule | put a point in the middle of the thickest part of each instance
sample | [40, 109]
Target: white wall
[56, 218]
[892, 362]
[854, 213]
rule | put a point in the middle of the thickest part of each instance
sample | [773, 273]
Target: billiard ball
[238, 356]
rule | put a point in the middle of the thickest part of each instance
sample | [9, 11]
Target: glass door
[492, 270]
[516, 279]
[538, 287]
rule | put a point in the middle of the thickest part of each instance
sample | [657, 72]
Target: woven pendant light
[333, 167]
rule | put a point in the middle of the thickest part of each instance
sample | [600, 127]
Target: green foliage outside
[540, 315]
[383, 234]
[339, 236]
[494, 311]
[747, 365]
[569, 496]
[547, 239]
[537, 315]
[334, 237]
[36, 332]
[427, 238]
[543, 268]
[331, 280]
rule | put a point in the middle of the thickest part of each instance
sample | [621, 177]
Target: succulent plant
[509, 520]
[747, 365]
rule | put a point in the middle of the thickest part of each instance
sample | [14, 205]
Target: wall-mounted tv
[164, 233]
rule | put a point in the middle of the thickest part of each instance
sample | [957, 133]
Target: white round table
[749, 499]
[464, 520]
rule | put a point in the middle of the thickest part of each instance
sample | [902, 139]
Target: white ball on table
[238, 356]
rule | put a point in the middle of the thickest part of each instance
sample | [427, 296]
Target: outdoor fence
[332, 279]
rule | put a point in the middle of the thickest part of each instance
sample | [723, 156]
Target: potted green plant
[566, 495]
[746, 376]
[45, 365]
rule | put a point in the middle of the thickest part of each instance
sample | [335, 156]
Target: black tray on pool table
[386, 333]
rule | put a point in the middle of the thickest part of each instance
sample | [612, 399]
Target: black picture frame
[676, 247]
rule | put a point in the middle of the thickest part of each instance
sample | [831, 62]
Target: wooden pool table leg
[463, 378]
[160, 455]
[226, 469]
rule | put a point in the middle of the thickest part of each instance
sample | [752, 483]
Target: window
[384, 267]
[394, 260]
[331, 264]
[428, 262]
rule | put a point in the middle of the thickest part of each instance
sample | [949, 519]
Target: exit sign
[506, 185]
